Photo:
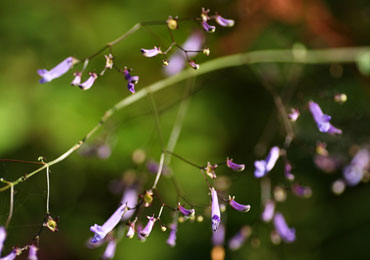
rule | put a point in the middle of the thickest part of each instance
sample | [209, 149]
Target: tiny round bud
[338, 187]
[165, 63]
[163, 228]
[200, 218]
[181, 219]
[172, 23]
[206, 51]
[148, 198]
[218, 253]
[275, 238]
[279, 194]
[222, 207]
[138, 156]
[340, 98]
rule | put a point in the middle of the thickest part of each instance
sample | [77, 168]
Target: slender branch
[20, 161]
[11, 206]
[47, 191]
[324, 56]
[159, 172]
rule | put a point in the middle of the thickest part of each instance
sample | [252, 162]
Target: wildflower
[294, 114]
[238, 240]
[102, 231]
[2, 238]
[268, 212]
[216, 215]
[51, 224]
[224, 22]
[354, 172]
[238, 206]
[172, 23]
[148, 228]
[139, 236]
[193, 64]
[286, 233]
[171, 241]
[208, 28]
[234, 166]
[110, 250]
[210, 170]
[12, 255]
[302, 191]
[89, 82]
[263, 167]
[108, 61]
[131, 229]
[32, 252]
[129, 198]
[132, 80]
[151, 52]
[148, 198]
[322, 120]
[218, 237]
[287, 172]
[57, 71]
[77, 79]
[185, 212]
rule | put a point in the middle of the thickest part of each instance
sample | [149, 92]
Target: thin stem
[20, 161]
[184, 160]
[47, 191]
[159, 172]
[11, 206]
[156, 117]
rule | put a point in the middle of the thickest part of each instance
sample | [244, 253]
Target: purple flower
[186, 212]
[263, 167]
[131, 229]
[218, 237]
[148, 228]
[139, 236]
[32, 252]
[12, 254]
[110, 250]
[132, 80]
[151, 52]
[153, 166]
[268, 212]
[102, 231]
[193, 64]
[216, 215]
[238, 240]
[171, 241]
[224, 22]
[2, 237]
[294, 114]
[287, 172]
[89, 82]
[286, 233]
[57, 71]
[233, 166]
[77, 80]
[208, 28]
[354, 172]
[237, 206]
[322, 120]
[129, 198]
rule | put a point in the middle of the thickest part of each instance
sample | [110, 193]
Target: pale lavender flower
[57, 71]
[216, 215]
[287, 172]
[234, 166]
[132, 80]
[218, 237]
[151, 52]
[322, 120]
[286, 233]
[264, 166]
[148, 228]
[193, 64]
[2, 237]
[238, 240]
[12, 254]
[139, 236]
[89, 82]
[224, 22]
[171, 241]
[131, 229]
[102, 231]
[185, 212]
[77, 79]
[110, 250]
[32, 252]
[354, 172]
[237, 206]
[268, 212]
[294, 114]
[129, 198]
[207, 27]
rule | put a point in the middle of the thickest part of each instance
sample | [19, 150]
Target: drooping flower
[102, 231]
[89, 82]
[322, 120]
[294, 114]
[216, 215]
[224, 22]
[268, 212]
[51, 224]
[149, 226]
[185, 212]
[32, 252]
[131, 229]
[238, 240]
[354, 172]
[193, 64]
[151, 52]
[129, 198]
[218, 237]
[171, 241]
[57, 71]
[2, 237]
[108, 61]
[288, 171]
[110, 250]
[132, 80]
[12, 255]
[139, 236]
[207, 27]
[77, 79]
[234, 166]
[172, 23]
[210, 170]
[237, 206]
[264, 166]
[286, 233]
[301, 191]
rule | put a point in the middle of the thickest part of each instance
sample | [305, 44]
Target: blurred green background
[230, 114]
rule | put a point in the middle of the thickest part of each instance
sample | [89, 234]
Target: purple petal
[57, 71]
[234, 166]
[77, 79]
[224, 22]
[129, 198]
[239, 238]
[208, 28]
[32, 252]
[12, 254]
[186, 212]
[286, 233]
[110, 250]
[2, 237]
[322, 120]
[151, 52]
[216, 215]
[268, 212]
[148, 228]
[218, 237]
[89, 82]
[294, 114]
[193, 65]
[171, 241]
[237, 206]
[263, 167]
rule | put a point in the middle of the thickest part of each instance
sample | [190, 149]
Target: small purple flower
[286, 233]
[132, 80]
[110, 250]
[234, 166]
[151, 52]
[301, 191]
[139, 236]
[2, 237]
[268, 212]
[224, 22]
[148, 228]
[89, 82]
[287, 172]
[208, 28]
[218, 237]
[131, 229]
[12, 254]
[237, 206]
[294, 114]
[77, 79]
[354, 172]
[57, 71]
[32, 252]
[129, 198]
[193, 64]
[264, 166]
[216, 215]
[322, 120]
[171, 241]
[238, 240]
[185, 212]
[102, 231]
